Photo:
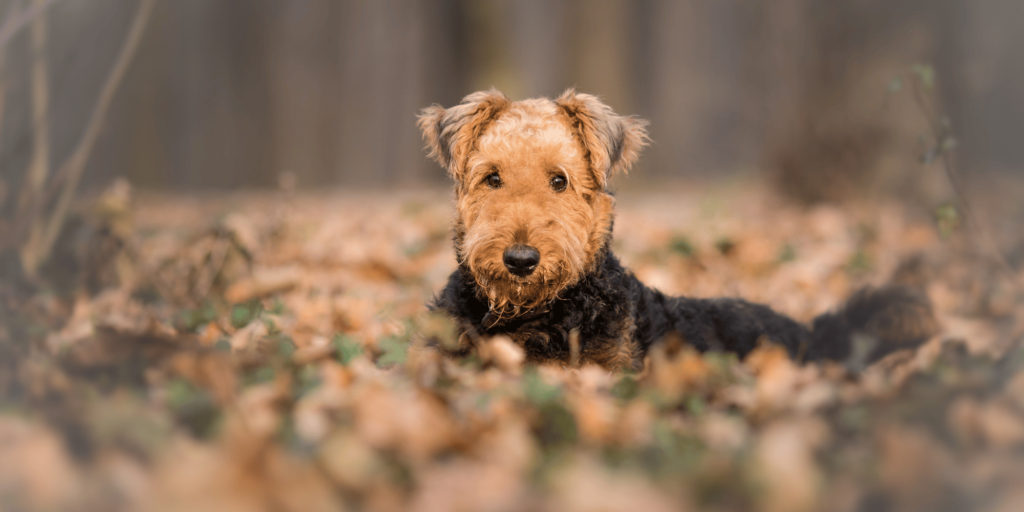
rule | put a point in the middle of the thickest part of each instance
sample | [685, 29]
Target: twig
[30, 203]
[940, 133]
[19, 19]
[3, 107]
[574, 348]
[70, 172]
[217, 255]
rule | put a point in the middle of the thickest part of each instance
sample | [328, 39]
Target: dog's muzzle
[521, 260]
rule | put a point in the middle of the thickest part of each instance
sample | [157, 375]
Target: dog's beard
[510, 296]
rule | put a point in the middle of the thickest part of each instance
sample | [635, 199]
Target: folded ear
[451, 133]
[612, 142]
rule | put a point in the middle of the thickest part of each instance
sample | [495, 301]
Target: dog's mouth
[517, 280]
[518, 288]
[514, 296]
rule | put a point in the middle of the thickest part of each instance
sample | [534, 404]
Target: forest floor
[252, 352]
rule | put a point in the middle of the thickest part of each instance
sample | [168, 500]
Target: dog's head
[533, 210]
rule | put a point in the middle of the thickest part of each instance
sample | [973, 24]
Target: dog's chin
[509, 295]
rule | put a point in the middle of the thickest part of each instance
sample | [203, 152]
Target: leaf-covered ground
[261, 352]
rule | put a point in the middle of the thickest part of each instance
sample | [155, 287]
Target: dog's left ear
[612, 142]
[452, 133]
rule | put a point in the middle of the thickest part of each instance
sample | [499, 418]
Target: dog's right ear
[451, 133]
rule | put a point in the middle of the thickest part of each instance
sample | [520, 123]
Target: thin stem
[31, 201]
[20, 19]
[948, 166]
[70, 172]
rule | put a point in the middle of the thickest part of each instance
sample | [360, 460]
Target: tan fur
[451, 134]
[617, 356]
[527, 143]
[612, 142]
[534, 218]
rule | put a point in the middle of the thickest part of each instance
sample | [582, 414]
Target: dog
[533, 231]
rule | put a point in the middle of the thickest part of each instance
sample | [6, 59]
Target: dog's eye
[559, 183]
[493, 180]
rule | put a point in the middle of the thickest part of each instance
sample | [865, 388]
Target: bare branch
[19, 19]
[30, 203]
[70, 172]
[940, 134]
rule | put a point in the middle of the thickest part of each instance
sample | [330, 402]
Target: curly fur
[579, 285]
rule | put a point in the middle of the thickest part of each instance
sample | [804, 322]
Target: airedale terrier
[532, 237]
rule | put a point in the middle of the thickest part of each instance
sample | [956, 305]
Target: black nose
[521, 259]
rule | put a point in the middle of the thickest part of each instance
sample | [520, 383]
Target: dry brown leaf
[465, 486]
[722, 431]
[785, 460]
[915, 468]
[410, 421]
[248, 336]
[634, 426]
[588, 486]
[595, 416]
[503, 353]
[978, 335]
[263, 282]
[211, 370]
[508, 443]
[349, 461]
[205, 479]
[755, 252]
[777, 375]
[678, 374]
[36, 472]
[1002, 427]
[244, 230]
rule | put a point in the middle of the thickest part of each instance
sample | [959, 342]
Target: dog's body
[533, 233]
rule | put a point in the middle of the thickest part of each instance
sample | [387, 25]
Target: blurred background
[219, 228]
[233, 93]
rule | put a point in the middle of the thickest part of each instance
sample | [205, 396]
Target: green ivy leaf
[948, 219]
[681, 244]
[243, 314]
[394, 348]
[346, 348]
[859, 263]
[285, 347]
[438, 327]
[626, 389]
[895, 85]
[725, 245]
[536, 390]
[192, 319]
[787, 253]
[926, 74]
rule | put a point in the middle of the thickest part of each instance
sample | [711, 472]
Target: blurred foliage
[306, 381]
